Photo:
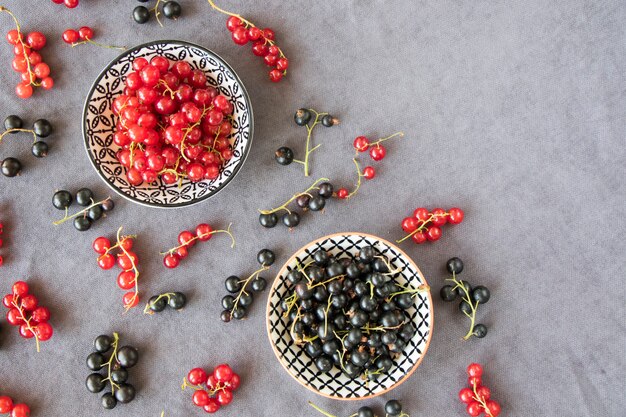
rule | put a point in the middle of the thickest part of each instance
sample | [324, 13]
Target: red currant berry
[106, 261]
[211, 382]
[342, 193]
[20, 288]
[21, 410]
[182, 252]
[212, 407]
[41, 70]
[47, 83]
[254, 33]
[483, 392]
[409, 224]
[224, 397]
[259, 48]
[29, 302]
[36, 40]
[268, 34]
[200, 398]
[85, 33]
[6, 404]
[197, 376]
[240, 36]
[25, 331]
[273, 50]
[474, 381]
[171, 260]
[433, 233]
[421, 214]
[70, 36]
[494, 408]
[223, 373]
[455, 215]
[70, 4]
[276, 75]
[127, 261]
[270, 60]
[474, 409]
[14, 317]
[19, 64]
[439, 217]
[1, 260]
[24, 90]
[195, 172]
[361, 143]
[40, 314]
[475, 369]
[139, 63]
[13, 36]
[369, 173]
[203, 231]
[161, 63]
[234, 382]
[466, 395]
[419, 237]
[378, 152]
[126, 280]
[233, 23]
[7, 300]
[282, 64]
[130, 299]
[43, 331]
[126, 243]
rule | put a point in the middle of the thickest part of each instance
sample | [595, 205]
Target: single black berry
[62, 199]
[13, 122]
[302, 117]
[481, 294]
[103, 343]
[291, 219]
[461, 292]
[225, 316]
[317, 203]
[42, 128]
[464, 307]
[365, 412]
[366, 254]
[11, 167]
[284, 155]
[157, 304]
[172, 10]
[228, 302]
[233, 284]
[82, 224]
[119, 375]
[95, 382]
[127, 356]
[329, 120]
[239, 313]
[125, 393]
[266, 257]
[303, 201]
[107, 205]
[95, 213]
[95, 360]
[268, 220]
[480, 331]
[321, 257]
[40, 149]
[448, 293]
[141, 14]
[393, 408]
[177, 300]
[258, 284]
[84, 197]
[325, 190]
[108, 401]
[454, 265]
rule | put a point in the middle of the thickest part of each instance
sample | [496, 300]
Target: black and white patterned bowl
[335, 384]
[98, 124]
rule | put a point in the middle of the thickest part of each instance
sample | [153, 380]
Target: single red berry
[259, 48]
[14, 317]
[203, 231]
[126, 280]
[43, 331]
[25, 331]
[40, 314]
[130, 299]
[455, 215]
[101, 245]
[270, 60]
[224, 397]
[475, 369]
[127, 262]
[29, 302]
[419, 237]
[13, 36]
[483, 392]
[409, 224]
[7, 300]
[139, 63]
[36, 40]
[474, 380]
[494, 408]
[211, 382]
[70, 36]
[223, 373]
[186, 238]
[268, 34]
[6, 404]
[47, 83]
[19, 64]
[421, 214]
[378, 152]
[200, 398]
[342, 193]
[439, 217]
[171, 260]
[197, 376]
[106, 261]
[70, 4]
[273, 50]
[212, 406]
[20, 410]
[126, 243]
[20, 288]
[254, 33]
[474, 409]
[433, 233]
[282, 64]
[369, 173]
[466, 395]
[41, 70]
[182, 252]
[233, 23]
[234, 382]
[240, 36]
[24, 90]
[276, 75]
[85, 33]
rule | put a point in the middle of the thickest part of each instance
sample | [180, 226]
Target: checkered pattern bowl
[335, 384]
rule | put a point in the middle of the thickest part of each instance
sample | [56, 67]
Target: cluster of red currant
[477, 396]
[1, 241]
[426, 224]
[28, 62]
[82, 36]
[377, 153]
[171, 124]
[212, 391]
[70, 4]
[127, 262]
[15, 410]
[25, 312]
[187, 239]
[263, 43]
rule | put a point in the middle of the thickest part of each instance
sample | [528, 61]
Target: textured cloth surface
[513, 110]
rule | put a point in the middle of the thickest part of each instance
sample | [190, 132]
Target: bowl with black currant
[167, 124]
[349, 316]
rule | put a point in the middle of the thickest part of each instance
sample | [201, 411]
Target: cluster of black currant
[305, 118]
[157, 303]
[93, 211]
[393, 408]
[306, 200]
[470, 297]
[116, 365]
[350, 312]
[171, 10]
[42, 128]
[239, 300]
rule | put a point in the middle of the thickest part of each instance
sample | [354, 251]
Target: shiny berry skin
[171, 260]
[361, 143]
[474, 409]
[421, 214]
[494, 408]
[234, 382]
[369, 173]
[20, 410]
[378, 152]
[36, 40]
[455, 215]
[419, 237]
[85, 33]
[24, 90]
[126, 280]
[197, 376]
[342, 193]
[475, 369]
[186, 238]
[240, 36]
[43, 331]
[28, 302]
[212, 407]
[20, 288]
[70, 36]
[70, 4]
[466, 395]
[233, 23]
[474, 380]
[276, 75]
[7, 300]
[282, 64]
[101, 245]
[224, 397]
[26, 332]
[14, 317]
[483, 392]
[106, 261]
[223, 373]
[40, 314]
[203, 231]
[269, 34]
[13, 36]
[200, 398]
[6, 404]
[433, 233]
[409, 224]
[130, 299]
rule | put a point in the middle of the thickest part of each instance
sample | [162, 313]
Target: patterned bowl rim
[187, 44]
[300, 252]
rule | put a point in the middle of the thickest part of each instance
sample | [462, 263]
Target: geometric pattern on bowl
[335, 384]
[99, 124]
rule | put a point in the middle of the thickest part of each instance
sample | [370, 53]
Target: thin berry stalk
[313, 187]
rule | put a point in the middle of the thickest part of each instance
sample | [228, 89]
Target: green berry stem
[468, 299]
[227, 231]
[18, 130]
[422, 226]
[80, 213]
[147, 309]
[31, 74]
[309, 130]
[314, 186]
[101, 45]
[155, 9]
[109, 363]
[414, 291]
[481, 400]
[245, 283]
[379, 141]
[16, 304]
[327, 414]
[359, 176]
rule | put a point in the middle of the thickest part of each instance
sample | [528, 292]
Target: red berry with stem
[409, 224]
[20, 288]
[475, 369]
[24, 90]
[212, 407]
[342, 193]
[421, 213]
[20, 410]
[6, 404]
[200, 398]
[433, 233]
[233, 23]
[13, 36]
[85, 33]
[101, 245]
[282, 64]
[466, 395]
[483, 392]
[70, 36]
[276, 75]
[26, 332]
[186, 238]
[223, 373]
[234, 382]
[474, 409]
[240, 36]
[369, 173]
[197, 376]
[130, 299]
[378, 152]
[106, 261]
[494, 408]
[203, 231]
[36, 40]
[40, 314]
[419, 238]
[171, 260]
[439, 217]
[70, 4]
[474, 381]
[361, 143]
[269, 34]
[224, 397]
[7, 300]
[126, 280]
[14, 317]
[28, 302]
[455, 215]
[43, 331]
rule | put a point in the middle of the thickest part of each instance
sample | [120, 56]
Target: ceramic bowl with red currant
[167, 124]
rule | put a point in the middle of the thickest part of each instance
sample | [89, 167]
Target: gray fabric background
[513, 110]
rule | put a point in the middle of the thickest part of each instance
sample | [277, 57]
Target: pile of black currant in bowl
[350, 312]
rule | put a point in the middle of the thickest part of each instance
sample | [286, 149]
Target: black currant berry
[239, 313]
[157, 304]
[40, 149]
[107, 205]
[172, 10]
[464, 307]
[95, 383]
[454, 265]
[141, 14]
[324, 363]
[317, 203]
[119, 375]
[448, 293]
[95, 360]
[82, 224]
[177, 300]
[480, 331]
[366, 254]
[393, 408]
[325, 190]
[233, 284]
[266, 257]
[329, 120]
[321, 257]
[127, 356]
[13, 122]
[268, 220]
[481, 294]
[302, 117]
[11, 167]
[258, 284]
[284, 155]
[461, 292]
[291, 219]
[62, 199]
[103, 343]
[225, 316]
[125, 393]
[95, 213]
[245, 299]
[84, 197]
[42, 128]
[228, 302]
[365, 412]
[303, 201]
[108, 401]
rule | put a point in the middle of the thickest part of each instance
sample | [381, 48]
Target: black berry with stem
[84, 197]
[95, 360]
[62, 199]
[108, 401]
[329, 121]
[141, 14]
[365, 412]
[82, 224]
[393, 408]
[233, 284]
[42, 128]
[172, 10]
[317, 203]
[177, 300]
[258, 284]
[325, 190]
[291, 219]
[481, 294]
[40, 149]
[11, 167]
[266, 257]
[127, 356]
[303, 201]
[463, 288]
[268, 220]
[157, 304]
[107, 205]
[103, 343]
[448, 293]
[13, 122]
[125, 393]
[119, 375]
[95, 213]
[454, 265]
[284, 155]
[480, 331]
[302, 117]
[95, 383]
